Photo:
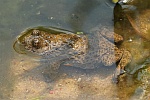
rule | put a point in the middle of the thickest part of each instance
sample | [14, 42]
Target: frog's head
[31, 41]
[49, 41]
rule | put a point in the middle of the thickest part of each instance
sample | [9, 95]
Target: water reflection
[80, 13]
[136, 40]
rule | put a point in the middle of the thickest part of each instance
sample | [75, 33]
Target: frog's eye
[35, 32]
[36, 43]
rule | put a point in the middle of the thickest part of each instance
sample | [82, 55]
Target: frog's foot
[125, 59]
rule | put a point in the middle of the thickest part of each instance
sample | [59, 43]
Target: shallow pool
[25, 78]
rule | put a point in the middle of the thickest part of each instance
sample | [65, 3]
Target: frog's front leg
[124, 60]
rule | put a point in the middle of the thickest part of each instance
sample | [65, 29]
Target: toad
[86, 51]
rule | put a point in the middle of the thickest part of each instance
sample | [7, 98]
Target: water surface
[19, 73]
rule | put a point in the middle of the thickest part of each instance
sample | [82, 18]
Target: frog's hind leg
[125, 59]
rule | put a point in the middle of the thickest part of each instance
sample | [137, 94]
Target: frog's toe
[122, 71]
[117, 73]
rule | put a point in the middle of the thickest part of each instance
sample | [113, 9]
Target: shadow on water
[55, 76]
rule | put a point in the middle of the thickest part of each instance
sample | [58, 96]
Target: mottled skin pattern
[54, 47]
[84, 51]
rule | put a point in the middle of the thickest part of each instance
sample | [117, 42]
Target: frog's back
[101, 51]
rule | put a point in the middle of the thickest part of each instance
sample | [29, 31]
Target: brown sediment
[138, 29]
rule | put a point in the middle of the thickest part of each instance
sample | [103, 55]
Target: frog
[86, 51]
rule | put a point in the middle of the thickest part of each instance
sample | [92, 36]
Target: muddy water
[25, 78]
